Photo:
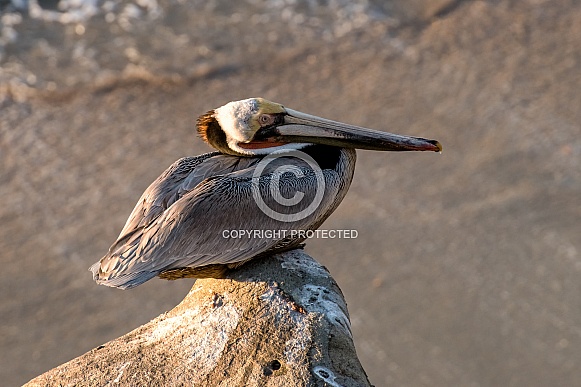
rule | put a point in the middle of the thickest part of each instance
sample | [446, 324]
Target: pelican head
[255, 126]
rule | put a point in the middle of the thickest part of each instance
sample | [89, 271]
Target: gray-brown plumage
[181, 226]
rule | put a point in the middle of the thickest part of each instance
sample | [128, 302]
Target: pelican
[182, 226]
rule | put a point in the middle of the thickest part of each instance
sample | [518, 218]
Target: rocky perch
[279, 321]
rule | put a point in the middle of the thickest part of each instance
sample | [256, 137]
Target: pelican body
[179, 227]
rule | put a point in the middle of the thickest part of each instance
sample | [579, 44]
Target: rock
[279, 321]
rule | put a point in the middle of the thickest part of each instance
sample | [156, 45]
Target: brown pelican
[214, 212]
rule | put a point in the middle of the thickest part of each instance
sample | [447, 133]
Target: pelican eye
[267, 119]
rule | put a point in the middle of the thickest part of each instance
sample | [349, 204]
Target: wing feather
[185, 218]
[180, 178]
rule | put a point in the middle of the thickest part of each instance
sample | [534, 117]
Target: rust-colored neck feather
[203, 124]
[210, 131]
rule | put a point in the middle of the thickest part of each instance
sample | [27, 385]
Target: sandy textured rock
[281, 321]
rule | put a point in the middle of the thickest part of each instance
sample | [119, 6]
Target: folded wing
[185, 218]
